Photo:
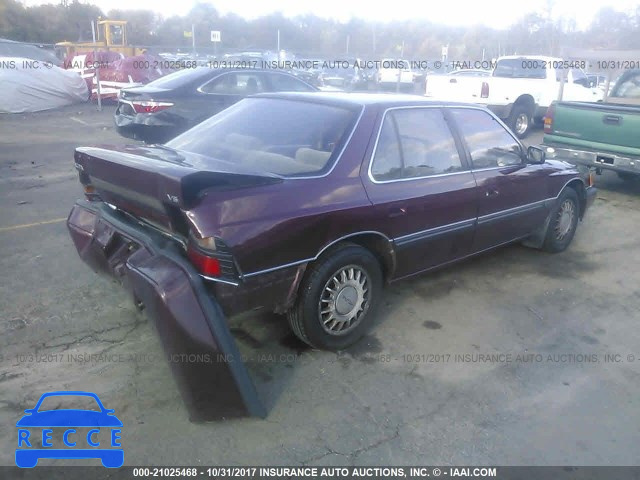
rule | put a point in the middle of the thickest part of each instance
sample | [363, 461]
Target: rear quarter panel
[270, 226]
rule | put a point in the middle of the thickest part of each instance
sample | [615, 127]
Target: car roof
[190, 77]
[354, 99]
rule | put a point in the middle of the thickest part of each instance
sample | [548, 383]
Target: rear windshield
[180, 78]
[520, 68]
[282, 137]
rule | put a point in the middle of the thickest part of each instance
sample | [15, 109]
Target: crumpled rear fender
[205, 361]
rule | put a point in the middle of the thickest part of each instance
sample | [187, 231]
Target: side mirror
[536, 155]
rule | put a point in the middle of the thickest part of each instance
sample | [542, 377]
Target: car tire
[337, 298]
[520, 120]
[563, 222]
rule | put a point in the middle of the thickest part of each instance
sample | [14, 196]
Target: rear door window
[235, 84]
[286, 83]
[415, 143]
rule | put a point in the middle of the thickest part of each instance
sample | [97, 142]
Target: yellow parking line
[27, 225]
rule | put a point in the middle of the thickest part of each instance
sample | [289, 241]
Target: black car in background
[162, 109]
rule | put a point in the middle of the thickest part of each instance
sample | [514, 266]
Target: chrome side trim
[279, 267]
[307, 260]
[420, 178]
[488, 169]
[513, 211]
[430, 232]
[220, 280]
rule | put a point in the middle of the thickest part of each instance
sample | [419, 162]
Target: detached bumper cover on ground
[205, 361]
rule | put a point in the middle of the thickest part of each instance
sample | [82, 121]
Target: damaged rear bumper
[203, 356]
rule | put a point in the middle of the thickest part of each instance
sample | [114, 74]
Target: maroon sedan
[307, 204]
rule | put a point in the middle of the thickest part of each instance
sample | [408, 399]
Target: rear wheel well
[379, 245]
[526, 100]
[521, 115]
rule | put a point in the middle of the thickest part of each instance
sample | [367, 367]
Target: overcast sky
[495, 13]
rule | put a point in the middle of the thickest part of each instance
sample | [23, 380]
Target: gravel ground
[417, 390]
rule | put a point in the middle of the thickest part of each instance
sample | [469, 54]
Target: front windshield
[277, 136]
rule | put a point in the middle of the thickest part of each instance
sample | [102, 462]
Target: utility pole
[193, 37]
[96, 62]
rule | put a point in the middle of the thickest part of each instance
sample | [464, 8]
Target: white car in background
[470, 72]
[394, 72]
[519, 90]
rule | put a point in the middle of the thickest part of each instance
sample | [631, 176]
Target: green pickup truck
[603, 135]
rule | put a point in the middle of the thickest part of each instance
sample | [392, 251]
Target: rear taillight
[202, 253]
[548, 118]
[205, 264]
[89, 190]
[484, 90]
[90, 193]
[148, 106]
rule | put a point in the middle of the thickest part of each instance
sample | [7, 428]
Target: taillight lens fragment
[201, 252]
[548, 118]
[205, 264]
[148, 106]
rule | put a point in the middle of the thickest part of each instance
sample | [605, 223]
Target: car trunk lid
[158, 183]
[144, 92]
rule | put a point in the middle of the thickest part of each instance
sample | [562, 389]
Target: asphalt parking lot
[417, 390]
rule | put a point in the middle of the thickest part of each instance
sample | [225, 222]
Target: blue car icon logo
[101, 439]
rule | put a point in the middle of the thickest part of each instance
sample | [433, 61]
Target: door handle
[492, 193]
[612, 119]
[397, 212]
